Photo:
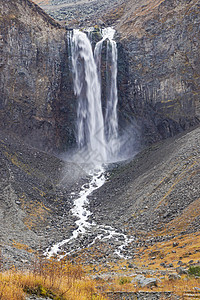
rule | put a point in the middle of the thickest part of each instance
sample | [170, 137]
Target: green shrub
[124, 280]
[194, 270]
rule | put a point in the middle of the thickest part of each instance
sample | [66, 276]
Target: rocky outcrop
[36, 97]
[161, 42]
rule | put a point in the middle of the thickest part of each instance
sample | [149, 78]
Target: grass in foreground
[53, 279]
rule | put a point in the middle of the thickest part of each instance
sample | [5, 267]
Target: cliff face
[161, 42]
[158, 70]
[34, 84]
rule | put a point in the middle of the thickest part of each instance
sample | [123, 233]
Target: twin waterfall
[97, 136]
[97, 127]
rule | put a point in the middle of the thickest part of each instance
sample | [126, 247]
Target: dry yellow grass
[57, 280]
[178, 287]
[188, 248]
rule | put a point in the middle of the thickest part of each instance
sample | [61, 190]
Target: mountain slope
[157, 192]
[35, 199]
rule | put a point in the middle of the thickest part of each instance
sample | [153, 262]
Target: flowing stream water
[97, 133]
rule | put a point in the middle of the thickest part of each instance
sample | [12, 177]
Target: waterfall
[111, 118]
[90, 122]
[97, 135]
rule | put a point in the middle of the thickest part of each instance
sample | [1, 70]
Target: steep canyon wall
[158, 70]
[35, 84]
[161, 42]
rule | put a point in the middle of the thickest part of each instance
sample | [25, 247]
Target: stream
[86, 231]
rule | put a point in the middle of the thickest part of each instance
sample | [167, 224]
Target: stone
[180, 263]
[138, 278]
[148, 282]
[163, 265]
[143, 281]
[191, 261]
[174, 276]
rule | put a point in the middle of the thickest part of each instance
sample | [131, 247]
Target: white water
[111, 118]
[97, 137]
[90, 122]
[99, 232]
[80, 211]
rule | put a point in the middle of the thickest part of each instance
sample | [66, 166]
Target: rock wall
[158, 70]
[161, 42]
[36, 97]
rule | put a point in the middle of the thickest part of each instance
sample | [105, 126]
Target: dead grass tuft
[60, 280]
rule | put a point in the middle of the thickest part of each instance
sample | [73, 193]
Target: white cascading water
[97, 137]
[90, 122]
[111, 118]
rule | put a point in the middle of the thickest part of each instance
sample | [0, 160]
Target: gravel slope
[35, 201]
[156, 187]
[157, 192]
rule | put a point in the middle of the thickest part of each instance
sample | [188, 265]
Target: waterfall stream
[111, 118]
[97, 133]
[90, 122]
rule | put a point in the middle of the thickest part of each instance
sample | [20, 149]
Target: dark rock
[161, 67]
[36, 90]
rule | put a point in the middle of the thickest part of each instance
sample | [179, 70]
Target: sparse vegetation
[194, 270]
[58, 280]
[124, 280]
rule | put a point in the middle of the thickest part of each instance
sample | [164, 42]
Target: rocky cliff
[161, 43]
[158, 70]
[35, 84]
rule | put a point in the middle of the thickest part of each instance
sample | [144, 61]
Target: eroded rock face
[161, 41]
[36, 97]
[158, 70]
